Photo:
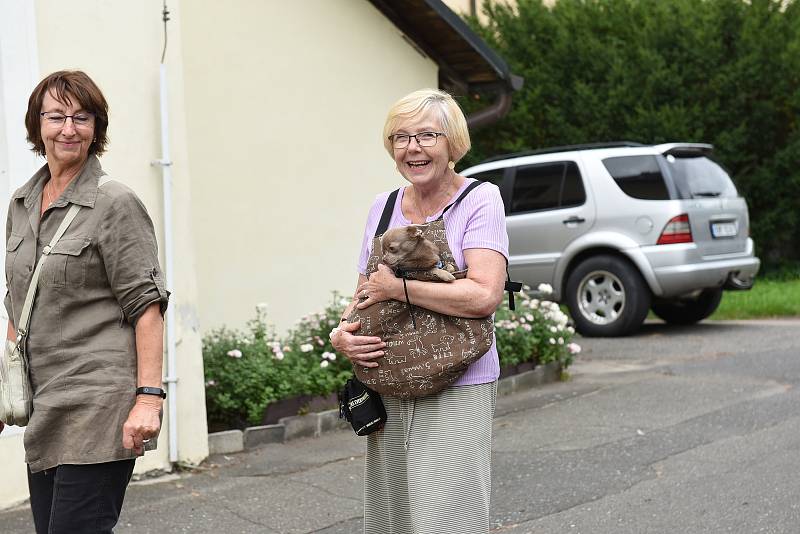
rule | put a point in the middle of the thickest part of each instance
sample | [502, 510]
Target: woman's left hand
[382, 285]
[143, 424]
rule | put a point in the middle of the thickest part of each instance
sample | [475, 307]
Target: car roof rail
[566, 148]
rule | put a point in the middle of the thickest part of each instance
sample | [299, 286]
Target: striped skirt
[429, 470]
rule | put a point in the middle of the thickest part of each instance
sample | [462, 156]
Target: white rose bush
[247, 371]
[244, 373]
[538, 330]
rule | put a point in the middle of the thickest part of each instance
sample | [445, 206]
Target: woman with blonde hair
[429, 469]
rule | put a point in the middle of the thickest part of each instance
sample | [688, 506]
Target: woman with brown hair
[94, 339]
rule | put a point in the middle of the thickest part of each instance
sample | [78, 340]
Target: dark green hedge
[725, 72]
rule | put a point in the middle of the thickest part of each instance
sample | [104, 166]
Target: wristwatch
[158, 392]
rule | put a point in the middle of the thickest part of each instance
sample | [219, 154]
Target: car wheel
[607, 297]
[691, 310]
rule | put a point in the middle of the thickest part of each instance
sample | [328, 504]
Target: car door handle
[575, 220]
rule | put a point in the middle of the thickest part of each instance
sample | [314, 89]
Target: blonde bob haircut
[443, 107]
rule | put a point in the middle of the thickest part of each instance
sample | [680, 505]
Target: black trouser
[79, 498]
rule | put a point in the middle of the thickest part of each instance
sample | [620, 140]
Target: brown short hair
[65, 85]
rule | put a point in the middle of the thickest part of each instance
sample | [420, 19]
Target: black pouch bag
[361, 407]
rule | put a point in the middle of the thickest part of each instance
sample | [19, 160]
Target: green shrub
[247, 371]
[722, 72]
[537, 330]
[319, 370]
[244, 373]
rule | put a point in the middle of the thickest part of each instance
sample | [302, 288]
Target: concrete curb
[316, 424]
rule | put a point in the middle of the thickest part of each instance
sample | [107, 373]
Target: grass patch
[768, 298]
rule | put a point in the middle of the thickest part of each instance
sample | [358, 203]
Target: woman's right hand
[360, 350]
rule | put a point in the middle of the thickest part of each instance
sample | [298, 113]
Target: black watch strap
[158, 392]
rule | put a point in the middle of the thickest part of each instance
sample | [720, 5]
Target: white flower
[574, 348]
[527, 327]
[211, 383]
[329, 355]
[324, 364]
[533, 304]
[278, 355]
[522, 319]
[552, 341]
[545, 288]
[553, 329]
[287, 348]
[570, 330]
[561, 341]
[529, 317]
[235, 353]
[526, 287]
[320, 342]
[306, 347]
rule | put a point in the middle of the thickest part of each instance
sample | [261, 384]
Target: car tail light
[677, 230]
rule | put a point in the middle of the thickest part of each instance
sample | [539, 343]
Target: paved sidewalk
[672, 431]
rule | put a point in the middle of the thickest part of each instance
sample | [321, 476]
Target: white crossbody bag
[16, 394]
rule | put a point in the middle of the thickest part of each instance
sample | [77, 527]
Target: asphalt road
[675, 430]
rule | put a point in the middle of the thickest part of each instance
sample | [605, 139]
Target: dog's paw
[443, 275]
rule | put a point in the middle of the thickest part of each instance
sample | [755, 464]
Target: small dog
[406, 249]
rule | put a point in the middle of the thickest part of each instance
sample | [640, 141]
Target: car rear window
[547, 186]
[699, 176]
[494, 176]
[638, 177]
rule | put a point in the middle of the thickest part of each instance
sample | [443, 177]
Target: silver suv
[618, 229]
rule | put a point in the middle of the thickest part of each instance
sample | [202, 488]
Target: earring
[451, 165]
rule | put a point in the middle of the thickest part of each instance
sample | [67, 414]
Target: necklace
[447, 193]
[49, 199]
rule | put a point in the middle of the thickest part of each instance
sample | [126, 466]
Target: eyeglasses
[425, 139]
[56, 119]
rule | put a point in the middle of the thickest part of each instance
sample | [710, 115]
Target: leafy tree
[720, 71]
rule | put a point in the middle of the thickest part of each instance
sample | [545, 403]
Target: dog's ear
[414, 231]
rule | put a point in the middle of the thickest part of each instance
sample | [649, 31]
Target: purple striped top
[478, 221]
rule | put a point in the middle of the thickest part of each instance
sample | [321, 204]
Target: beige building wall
[276, 116]
[475, 7]
[285, 104]
[118, 43]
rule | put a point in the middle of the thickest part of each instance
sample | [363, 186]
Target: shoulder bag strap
[386, 216]
[25, 318]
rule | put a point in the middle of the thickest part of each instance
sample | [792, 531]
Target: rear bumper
[679, 269]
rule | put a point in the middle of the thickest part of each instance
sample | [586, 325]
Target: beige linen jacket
[96, 282]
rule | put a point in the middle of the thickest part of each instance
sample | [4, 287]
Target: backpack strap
[386, 216]
[466, 191]
[511, 287]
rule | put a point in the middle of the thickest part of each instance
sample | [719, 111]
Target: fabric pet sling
[16, 393]
[425, 351]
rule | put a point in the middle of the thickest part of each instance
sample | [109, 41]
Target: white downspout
[166, 174]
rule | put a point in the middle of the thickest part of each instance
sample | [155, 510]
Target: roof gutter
[493, 113]
[473, 67]
[509, 82]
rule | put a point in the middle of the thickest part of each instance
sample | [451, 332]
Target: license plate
[724, 229]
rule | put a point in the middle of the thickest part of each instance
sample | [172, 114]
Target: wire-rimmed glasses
[424, 139]
[57, 119]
